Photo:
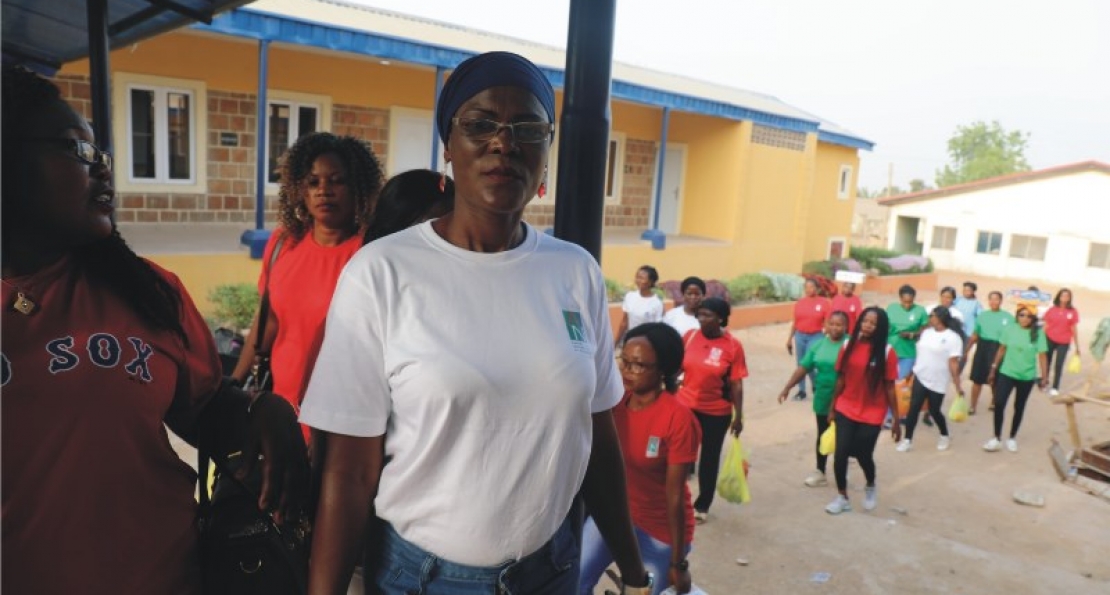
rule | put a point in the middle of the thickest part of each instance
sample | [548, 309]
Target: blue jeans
[802, 341]
[596, 558]
[550, 570]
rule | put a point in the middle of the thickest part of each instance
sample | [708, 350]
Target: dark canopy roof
[44, 34]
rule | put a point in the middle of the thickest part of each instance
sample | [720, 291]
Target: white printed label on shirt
[714, 356]
[652, 448]
[576, 330]
[818, 307]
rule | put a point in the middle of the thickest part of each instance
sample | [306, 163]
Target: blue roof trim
[257, 25]
[844, 140]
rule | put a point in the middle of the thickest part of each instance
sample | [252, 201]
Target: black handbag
[242, 550]
[260, 377]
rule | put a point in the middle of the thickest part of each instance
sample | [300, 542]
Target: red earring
[543, 189]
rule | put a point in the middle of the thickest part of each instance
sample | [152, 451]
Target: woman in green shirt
[1019, 363]
[989, 325]
[820, 360]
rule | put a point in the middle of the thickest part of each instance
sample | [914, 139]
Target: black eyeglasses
[83, 150]
[634, 367]
[482, 130]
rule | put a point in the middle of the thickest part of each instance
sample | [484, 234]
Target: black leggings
[854, 439]
[1060, 351]
[714, 428]
[1002, 387]
[822, 425]
[917, 399]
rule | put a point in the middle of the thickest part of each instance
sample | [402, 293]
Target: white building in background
[1050, 225]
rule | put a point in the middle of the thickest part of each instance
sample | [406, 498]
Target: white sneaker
[905, 445]
[839, 505]
[870, 498]
[1011, 445]
[1054, 393]
[816, 479]
[992, 445]
[943, 443]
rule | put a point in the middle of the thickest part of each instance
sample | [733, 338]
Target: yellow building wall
[620, 262]
[712, 185]
[830, 217]
[774, 193]
[201, 273]
[637, 121]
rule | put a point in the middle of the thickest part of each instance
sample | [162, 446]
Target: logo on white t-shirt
[575, 328]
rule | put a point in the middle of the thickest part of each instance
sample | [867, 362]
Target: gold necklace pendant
[22, 304]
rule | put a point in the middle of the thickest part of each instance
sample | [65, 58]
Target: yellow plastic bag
[1075, 365]
[732, 484]
[959, 409]
[828, 440]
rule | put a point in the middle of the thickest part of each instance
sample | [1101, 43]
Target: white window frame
[834, 239]
[620, 138]
[1090, 256]
[844, 183]
[1028, 239]
[954, 231]
[122, 84]
[1001, 241]
[323, 106]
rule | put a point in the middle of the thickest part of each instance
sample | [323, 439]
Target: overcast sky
[902, 74]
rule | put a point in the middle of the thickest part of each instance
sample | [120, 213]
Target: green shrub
[785, 286]
[750, 287]
[235, 304]
[818, 267]
[614, 290]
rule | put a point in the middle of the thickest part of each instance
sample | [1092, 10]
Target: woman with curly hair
[102, 352]
[329, 185]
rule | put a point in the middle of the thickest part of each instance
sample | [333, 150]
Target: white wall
[1071, 211]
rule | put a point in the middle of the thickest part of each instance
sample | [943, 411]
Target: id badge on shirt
[652, 447]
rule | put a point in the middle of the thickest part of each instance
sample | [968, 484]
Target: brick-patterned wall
[540, 216]
[76, 90]
[368, 123]
[231, 170]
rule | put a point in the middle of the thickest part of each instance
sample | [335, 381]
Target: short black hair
[668, 347]
[717, 306]
[907, 288]
[974, 287]
[407, 199]
[688, 281]
[948, 289]
[653, 275]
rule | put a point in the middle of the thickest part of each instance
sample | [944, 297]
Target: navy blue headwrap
[492, 69]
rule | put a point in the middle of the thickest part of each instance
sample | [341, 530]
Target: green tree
[919, 185]
[983, 150]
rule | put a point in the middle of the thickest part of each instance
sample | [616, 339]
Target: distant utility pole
[889, 178]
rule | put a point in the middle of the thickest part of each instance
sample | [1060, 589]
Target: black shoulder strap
[264, 307]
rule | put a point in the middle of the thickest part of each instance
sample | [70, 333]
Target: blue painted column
[657, 237]
[435, 107]
[257, 237]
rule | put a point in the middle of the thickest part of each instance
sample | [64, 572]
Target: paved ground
[961, 531]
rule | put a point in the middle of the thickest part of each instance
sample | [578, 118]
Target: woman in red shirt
[1060, 322]
[713, 363]
[810, 313]
[864, 392]
[328, 188]
[659, 438]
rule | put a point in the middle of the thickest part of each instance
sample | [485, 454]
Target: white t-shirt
[934, 349]
[642, 309]
[483, 371]
[681, 321]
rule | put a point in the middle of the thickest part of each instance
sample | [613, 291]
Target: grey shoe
[839, 505]
[870, 498]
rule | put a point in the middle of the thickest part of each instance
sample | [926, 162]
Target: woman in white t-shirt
[641, 305]
[498, 411]
[685, 319]
[939, 350]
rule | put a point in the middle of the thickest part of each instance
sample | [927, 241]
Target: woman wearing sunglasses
[1019, 363]
[102, 351]
[498, 411]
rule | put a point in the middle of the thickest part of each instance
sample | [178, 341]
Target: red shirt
[708, 363]
[661, 434]
[858, 402]
[852, 306]
[1059, 324]
[810, 314]
[94, 498]
[303, 281]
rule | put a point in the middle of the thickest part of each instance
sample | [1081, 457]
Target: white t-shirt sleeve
[609, 384]
[955, 346]
[344, 397]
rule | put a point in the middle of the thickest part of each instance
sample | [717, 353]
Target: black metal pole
[99, 78]
[584, 125]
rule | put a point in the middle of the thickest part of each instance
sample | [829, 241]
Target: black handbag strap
[264, 307]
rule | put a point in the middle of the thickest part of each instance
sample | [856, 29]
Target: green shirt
[990, 324]
[1020, 361]
[901, 321]
[820, 359]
